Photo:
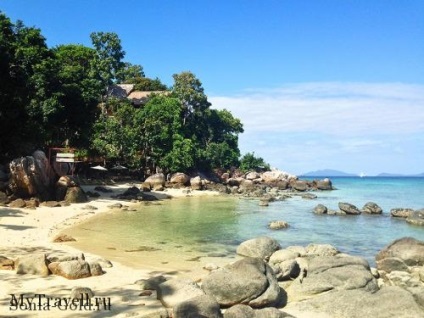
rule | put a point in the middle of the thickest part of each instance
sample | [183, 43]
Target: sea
[188, 232]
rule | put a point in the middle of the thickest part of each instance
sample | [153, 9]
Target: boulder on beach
[74, 269]
[320, 209]
[196, 183]
[6, 263]
[278, 225]
[180, 179]
[408, 249]
[300, 185]
[175, 291]
[35, 264]
[416, 218]
[199, 306]
[262, 247]
[324, 184]
[249, 281]
[156, 181]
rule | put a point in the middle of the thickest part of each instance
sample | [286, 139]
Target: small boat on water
[361, 175]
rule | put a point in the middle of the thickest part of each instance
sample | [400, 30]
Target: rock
[32, 176]
[18, 204]
[264, 202]
[3, 198]
[372, 208]
[324, 184]
[388, 302]
[261, 247]
[211, 267]
[104, 263]
[32, 204]
[103, 189]
[50, 204]
[271, 312]
[63, 257]
[6, 263]
[282, 256]
[62, 186]
[196, 183]
[180, 178]
[75, 269]
[247, 185]
[156, 181]
[326, 273]
[273, 176]
[288, 269]
[321, 250]
[320, 209]
[416, 218]
[408, 249]
[83, 293]
[308, 196]
[300, 185]
[151, 283]
[35, 264]
[145, 187]
[401, 212]
[248, 281]
[75, 195]
[349, 208]
[95, 269]
[278, 225]
[115, 206]
[252, 175]
[200, 306]
[239, 310]
[63, 238]
[390, 264]
[175, 291]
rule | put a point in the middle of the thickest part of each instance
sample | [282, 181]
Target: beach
[31, 231]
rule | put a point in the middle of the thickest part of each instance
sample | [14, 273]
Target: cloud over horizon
[352, 121]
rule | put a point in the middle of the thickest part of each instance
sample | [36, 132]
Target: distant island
[328, 173]
[336, 173]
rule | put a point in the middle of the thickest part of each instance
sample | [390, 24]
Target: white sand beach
[26, 231]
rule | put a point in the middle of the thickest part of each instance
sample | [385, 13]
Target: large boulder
[244, 311]
[180, 179]
[156, 181]
[300, 185]
[372, 208]
[199, 306]
[262, 247]
[75, 195]
[196, 183]
[175, 291]
[349, 208]
[248, 281]
[408, 249]
[320, 209]
[388, 302]
[32, 176]
[324, 184]
[35, 264]
[326, 273]
[74, 269]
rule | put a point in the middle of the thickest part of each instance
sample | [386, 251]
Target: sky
[318, 84]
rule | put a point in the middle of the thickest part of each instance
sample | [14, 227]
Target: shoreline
[31, 231]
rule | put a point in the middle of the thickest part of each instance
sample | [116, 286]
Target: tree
[250, 162]
[188, 89]
[109, 56]
[128, 72]
[147, 84]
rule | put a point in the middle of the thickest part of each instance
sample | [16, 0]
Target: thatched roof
[120, 90]
[141, 97]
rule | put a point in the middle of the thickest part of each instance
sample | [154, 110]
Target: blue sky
[317, 83]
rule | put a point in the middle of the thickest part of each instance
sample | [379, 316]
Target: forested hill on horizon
[60, 97]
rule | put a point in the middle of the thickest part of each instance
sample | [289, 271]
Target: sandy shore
[25, 231]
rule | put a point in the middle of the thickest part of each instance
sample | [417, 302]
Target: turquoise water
[214, 226]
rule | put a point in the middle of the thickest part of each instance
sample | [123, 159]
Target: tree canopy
[58, 97]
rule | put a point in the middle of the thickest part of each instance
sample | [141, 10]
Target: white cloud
[345, 126]
[330, 108]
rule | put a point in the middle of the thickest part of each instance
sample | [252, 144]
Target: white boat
[361, 175]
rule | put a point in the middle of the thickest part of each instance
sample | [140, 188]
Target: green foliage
[147, 84]
[57, 97]
[250, 162]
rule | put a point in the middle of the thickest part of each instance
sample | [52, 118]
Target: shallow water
[188, 232]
